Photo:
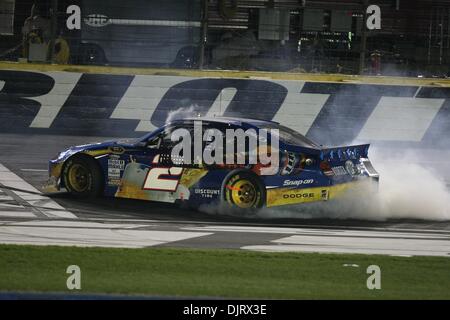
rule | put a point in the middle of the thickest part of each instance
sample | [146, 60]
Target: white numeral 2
[153, 181]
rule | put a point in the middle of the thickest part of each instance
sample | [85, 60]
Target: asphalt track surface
[29, 217]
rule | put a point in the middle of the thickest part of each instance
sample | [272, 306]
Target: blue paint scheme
[309, 176]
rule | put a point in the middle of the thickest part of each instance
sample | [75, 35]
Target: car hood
[97, 148]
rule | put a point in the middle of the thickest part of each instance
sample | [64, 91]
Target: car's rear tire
[82, 177]
[243, 190]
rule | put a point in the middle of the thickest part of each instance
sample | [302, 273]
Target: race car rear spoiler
[345, 153]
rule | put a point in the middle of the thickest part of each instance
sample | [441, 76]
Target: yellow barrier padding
[335, 78]
[61, 51]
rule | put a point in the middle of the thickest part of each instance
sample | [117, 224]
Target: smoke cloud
[407, 190]
[414, 182]
[182, 113]
[410, 187]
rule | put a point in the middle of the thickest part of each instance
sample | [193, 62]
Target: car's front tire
[244, 190]
[82, 177]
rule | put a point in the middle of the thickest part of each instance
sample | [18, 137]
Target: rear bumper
[363, 186]
[359, 186]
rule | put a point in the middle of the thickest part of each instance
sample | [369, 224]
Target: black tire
[89, 177]
[239, 180]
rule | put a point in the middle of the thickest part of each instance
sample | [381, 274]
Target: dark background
[414, 39]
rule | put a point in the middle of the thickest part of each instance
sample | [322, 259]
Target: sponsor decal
[299, 195]
[284, 196]
[290, 162]
[96, 20]
[114, 182]
[116, 163]
[297, 183]
[117, 149]
[207, 193]
[115, 168]
[113, 173]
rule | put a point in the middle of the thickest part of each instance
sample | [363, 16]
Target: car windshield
[290, 136]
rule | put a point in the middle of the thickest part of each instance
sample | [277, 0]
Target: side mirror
[154, 143]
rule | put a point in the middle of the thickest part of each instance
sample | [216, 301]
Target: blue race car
[145, 169]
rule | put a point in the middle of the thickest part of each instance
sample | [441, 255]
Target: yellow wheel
[243, 190]
[82, 176]
[78, 177]
[243, 194]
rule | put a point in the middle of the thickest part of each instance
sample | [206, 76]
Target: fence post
[53, 24]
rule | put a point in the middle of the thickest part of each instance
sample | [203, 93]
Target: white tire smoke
[407, 190]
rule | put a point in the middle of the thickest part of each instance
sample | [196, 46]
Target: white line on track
[129, 232]
[351, 242]
[38, 203]
[34, 170]
[88, 234]
[328, 230]
[344, 241]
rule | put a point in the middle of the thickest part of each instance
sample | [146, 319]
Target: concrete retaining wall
[55, 102]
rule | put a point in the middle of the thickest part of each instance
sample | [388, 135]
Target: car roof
[228, 120]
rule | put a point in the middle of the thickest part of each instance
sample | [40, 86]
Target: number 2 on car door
[163, 179]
